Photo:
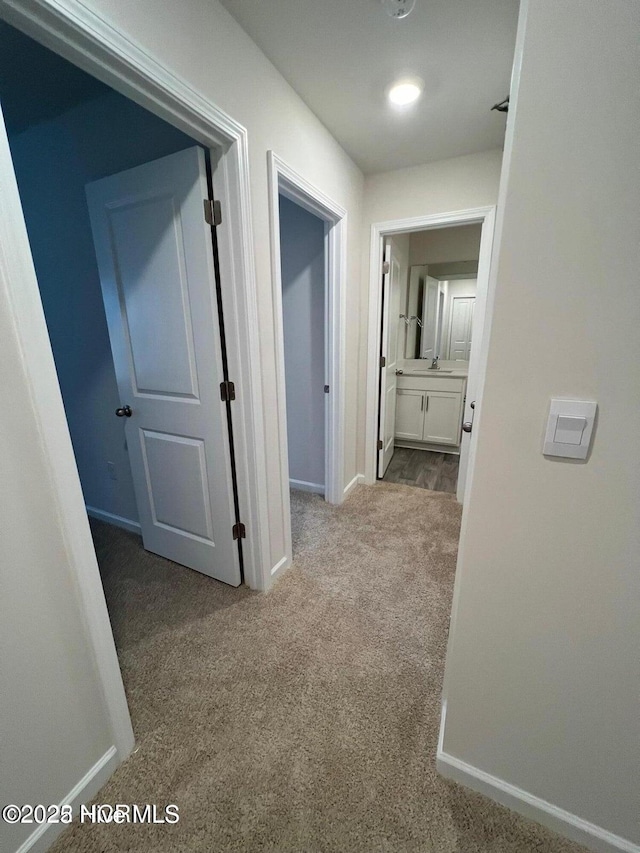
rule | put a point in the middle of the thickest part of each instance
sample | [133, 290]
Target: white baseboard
[425, 445]
[111, 518]
[44, 835]
[303, 486]
[560, 821]
[357, 480]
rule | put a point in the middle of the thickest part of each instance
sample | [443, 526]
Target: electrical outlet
[111, 468]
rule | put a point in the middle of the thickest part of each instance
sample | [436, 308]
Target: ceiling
[36, 84]
[341, 55]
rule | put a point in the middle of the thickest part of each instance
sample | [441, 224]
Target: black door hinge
[380, 444]
[239, 531]
[212, 212]
[227, 392]
[383, 361]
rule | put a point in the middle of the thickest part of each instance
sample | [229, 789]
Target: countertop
[445, 374]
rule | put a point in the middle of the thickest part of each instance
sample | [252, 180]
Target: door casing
[283, 180]
[484, 216]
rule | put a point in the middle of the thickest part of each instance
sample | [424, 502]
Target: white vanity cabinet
[429, 409]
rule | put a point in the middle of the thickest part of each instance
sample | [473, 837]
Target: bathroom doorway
[428, 311]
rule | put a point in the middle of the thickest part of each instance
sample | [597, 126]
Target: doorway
[303, 266]
[428, 301]
[308, 295]
[84, 39]
[128, 236]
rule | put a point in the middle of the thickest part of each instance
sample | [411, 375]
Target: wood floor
[423, 469]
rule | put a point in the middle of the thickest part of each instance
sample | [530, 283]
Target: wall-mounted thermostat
[569, 428]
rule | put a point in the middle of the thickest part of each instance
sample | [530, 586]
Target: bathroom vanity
[429, 406]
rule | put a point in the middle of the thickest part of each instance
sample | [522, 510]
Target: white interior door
[461, 327]
[391, 285]
[430, 317]
[155, 260]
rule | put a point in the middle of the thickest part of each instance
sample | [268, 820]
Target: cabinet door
[442, 417]
[410, 414]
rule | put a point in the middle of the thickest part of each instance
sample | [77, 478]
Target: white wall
[53, 162]
[442, 245]
[204, 45]
[543, 671]
[303, 309]
[442, 187]
[55, 724]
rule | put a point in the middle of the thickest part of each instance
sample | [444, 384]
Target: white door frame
[283, 180]
[83, 37]
[484, 216]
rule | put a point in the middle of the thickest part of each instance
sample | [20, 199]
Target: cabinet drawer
[431, 383]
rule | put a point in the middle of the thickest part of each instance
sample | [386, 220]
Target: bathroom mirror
[437, 320]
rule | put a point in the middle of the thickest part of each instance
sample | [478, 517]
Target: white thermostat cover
[569, 428]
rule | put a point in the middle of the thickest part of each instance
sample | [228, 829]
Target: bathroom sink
[429, 372]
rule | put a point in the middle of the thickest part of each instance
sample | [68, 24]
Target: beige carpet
[305, 719]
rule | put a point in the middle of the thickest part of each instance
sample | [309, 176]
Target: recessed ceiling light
[405, 92]
[398, 8]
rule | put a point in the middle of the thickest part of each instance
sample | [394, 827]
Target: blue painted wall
[53, 162]
[303, 296]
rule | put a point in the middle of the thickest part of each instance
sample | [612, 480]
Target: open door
[388, 357]
[430, 317]
[154, 253]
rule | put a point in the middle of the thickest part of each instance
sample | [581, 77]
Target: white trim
[112, 518]
[303, 486]
[85, 790]
[535, 808]
[380, 230]
[425, 445]
[357, 481]
[284, 180]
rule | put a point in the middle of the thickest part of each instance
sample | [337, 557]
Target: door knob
[124, 412]
[467, 426]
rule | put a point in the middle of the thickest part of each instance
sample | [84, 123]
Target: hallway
[305, 719]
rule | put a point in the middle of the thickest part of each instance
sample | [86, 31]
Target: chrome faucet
[434, 364]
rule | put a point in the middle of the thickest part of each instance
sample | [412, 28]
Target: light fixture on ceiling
[405, 92]
[398, 8]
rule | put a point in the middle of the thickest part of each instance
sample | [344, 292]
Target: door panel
[442, 419]
[410, 414]
[155, 260]
[152, 289]
[181, 505]
[388, 380]
[461, 326]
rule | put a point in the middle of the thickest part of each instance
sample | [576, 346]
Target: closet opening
[308, 252]
[303, 273]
